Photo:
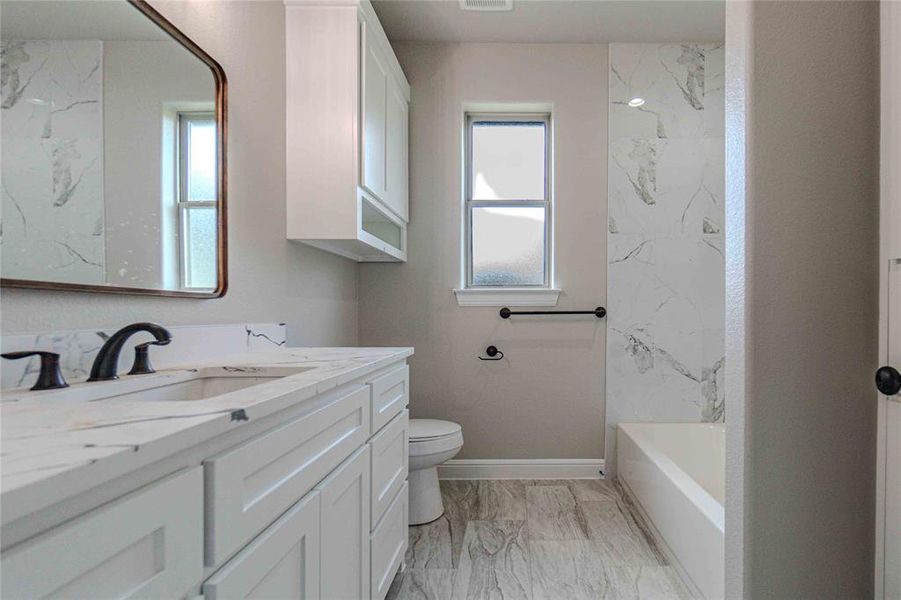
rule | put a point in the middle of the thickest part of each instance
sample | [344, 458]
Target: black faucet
[107, 361]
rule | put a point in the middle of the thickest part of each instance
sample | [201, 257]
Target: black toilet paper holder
[493, 354]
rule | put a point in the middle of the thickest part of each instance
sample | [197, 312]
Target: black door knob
[888, 380]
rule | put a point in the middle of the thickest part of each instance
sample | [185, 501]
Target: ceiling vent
[486, 5]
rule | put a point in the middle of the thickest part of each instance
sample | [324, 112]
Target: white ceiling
[598, 21]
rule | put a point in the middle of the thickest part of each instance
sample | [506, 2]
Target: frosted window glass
[201, 160]
[508, 246]
[200, 227]
[508, 161]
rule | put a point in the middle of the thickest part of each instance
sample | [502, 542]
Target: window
[196, 200]
[507, 201]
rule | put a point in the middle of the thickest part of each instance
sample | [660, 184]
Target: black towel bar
[600, 312]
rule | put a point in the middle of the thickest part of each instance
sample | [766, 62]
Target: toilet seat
[431, 436]
[423, 429]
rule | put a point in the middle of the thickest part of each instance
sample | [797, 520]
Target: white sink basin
[205, 384]
[176, 385]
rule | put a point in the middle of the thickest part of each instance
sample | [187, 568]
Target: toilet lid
[423, 429]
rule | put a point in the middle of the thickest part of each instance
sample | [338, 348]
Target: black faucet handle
[50, 377]
[141, 365]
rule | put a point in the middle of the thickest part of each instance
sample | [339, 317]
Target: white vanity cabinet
[250, 485]
[345, 523]
[283, 562]
[390, 463]
[389, 544]
[309, 503]
[347, 132]
[147, 544]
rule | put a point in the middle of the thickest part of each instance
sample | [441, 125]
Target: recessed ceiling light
[636, 102]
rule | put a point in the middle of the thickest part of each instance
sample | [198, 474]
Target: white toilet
[431, 443]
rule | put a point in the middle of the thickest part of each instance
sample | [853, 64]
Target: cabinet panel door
[345, 529]
[250, 485]
[375, 97]
[283, 562]
[397, 154]
[389, 463]
[148, 544]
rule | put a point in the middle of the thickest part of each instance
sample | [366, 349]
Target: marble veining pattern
[612, 555]
[52, 163]
[554, 514]
[78, 349]
[494, 562]
[666, 267]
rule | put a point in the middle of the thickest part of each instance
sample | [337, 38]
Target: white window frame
[182, 204]
[542, 294]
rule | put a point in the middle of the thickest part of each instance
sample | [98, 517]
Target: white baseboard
[509, 468]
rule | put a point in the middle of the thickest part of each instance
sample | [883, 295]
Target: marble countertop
[52, 448]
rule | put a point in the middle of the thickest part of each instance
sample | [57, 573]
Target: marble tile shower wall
[52, 164]
[666, 285]
[190, 344]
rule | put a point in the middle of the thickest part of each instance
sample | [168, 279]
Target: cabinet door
[148, 544]
[345, 529]
[397, 154]
[283, 562]
[375, 97]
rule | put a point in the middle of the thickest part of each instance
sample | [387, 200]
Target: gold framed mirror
[113, 172]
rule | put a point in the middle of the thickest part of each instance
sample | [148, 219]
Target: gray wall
[809, 291]
[546, 399]
[270, 279]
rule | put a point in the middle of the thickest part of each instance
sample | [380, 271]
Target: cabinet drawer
[148, 544]
[389, 463]
[283, 562]
[252, 484]
[390, 395]
[389, 544]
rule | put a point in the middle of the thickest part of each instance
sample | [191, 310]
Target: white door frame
[890, 188]
[738, 90]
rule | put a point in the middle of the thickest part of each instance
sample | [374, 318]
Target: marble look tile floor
[574, 539]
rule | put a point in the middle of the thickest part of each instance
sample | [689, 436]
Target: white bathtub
[675, 472]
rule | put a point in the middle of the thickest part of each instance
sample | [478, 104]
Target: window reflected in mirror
[110, 173]
[197, 200]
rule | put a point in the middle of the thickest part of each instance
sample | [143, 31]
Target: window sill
[507, 296]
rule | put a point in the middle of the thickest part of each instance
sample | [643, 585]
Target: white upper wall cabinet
[375, 121]
[397, 152]
[347, 123]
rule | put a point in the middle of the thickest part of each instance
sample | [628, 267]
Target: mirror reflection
[109, 165]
